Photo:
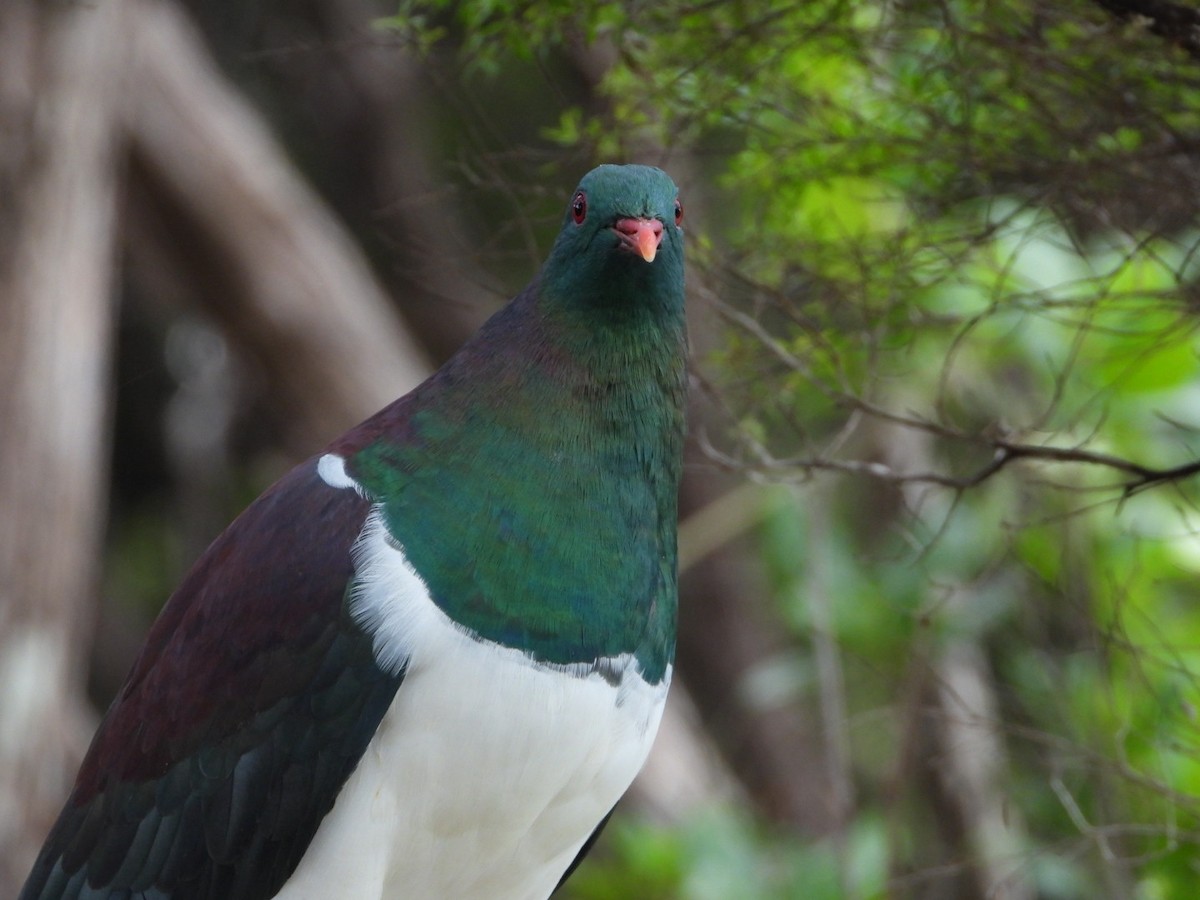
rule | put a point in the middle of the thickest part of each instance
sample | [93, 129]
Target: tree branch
[62, 84]
[266, 258]
[1178, 24]
[1005, 451]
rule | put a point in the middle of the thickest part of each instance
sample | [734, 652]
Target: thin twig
[1005, 451]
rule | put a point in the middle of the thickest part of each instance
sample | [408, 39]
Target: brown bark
[62, 86]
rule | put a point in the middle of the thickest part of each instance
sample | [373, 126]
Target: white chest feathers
[488, 772]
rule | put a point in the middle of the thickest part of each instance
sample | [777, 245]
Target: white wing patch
[332, 470]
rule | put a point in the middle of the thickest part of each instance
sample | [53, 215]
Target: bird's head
[621, 241]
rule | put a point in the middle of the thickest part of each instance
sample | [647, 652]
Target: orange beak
[640, 235]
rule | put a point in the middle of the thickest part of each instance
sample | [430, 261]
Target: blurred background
[940, 619]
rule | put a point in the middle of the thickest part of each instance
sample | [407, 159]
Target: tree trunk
[218, 205]
[61, 83]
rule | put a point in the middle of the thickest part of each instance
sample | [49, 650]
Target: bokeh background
[940, 618]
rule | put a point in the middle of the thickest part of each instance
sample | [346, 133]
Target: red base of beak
[641, 235]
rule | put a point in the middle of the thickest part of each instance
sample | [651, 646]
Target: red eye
[579, 208]
[678, 212]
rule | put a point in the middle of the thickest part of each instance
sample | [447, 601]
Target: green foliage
[722, 855]
[939, 231]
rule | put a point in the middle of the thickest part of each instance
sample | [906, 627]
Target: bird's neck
[589, 408]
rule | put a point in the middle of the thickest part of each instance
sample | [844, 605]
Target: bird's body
[470, 840]
[427, 662]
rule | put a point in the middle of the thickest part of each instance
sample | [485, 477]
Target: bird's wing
[250, 705]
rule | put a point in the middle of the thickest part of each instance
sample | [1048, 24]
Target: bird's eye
[579, 207]
[678, 212]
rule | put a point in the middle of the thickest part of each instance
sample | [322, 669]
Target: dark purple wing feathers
[250, 705]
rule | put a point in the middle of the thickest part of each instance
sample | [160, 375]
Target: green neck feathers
[532, 481]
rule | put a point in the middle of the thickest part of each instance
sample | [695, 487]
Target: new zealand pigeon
[427, 662]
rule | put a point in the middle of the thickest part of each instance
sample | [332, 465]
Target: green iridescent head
[621, 241]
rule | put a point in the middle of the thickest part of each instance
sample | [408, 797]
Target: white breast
[489, 770]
